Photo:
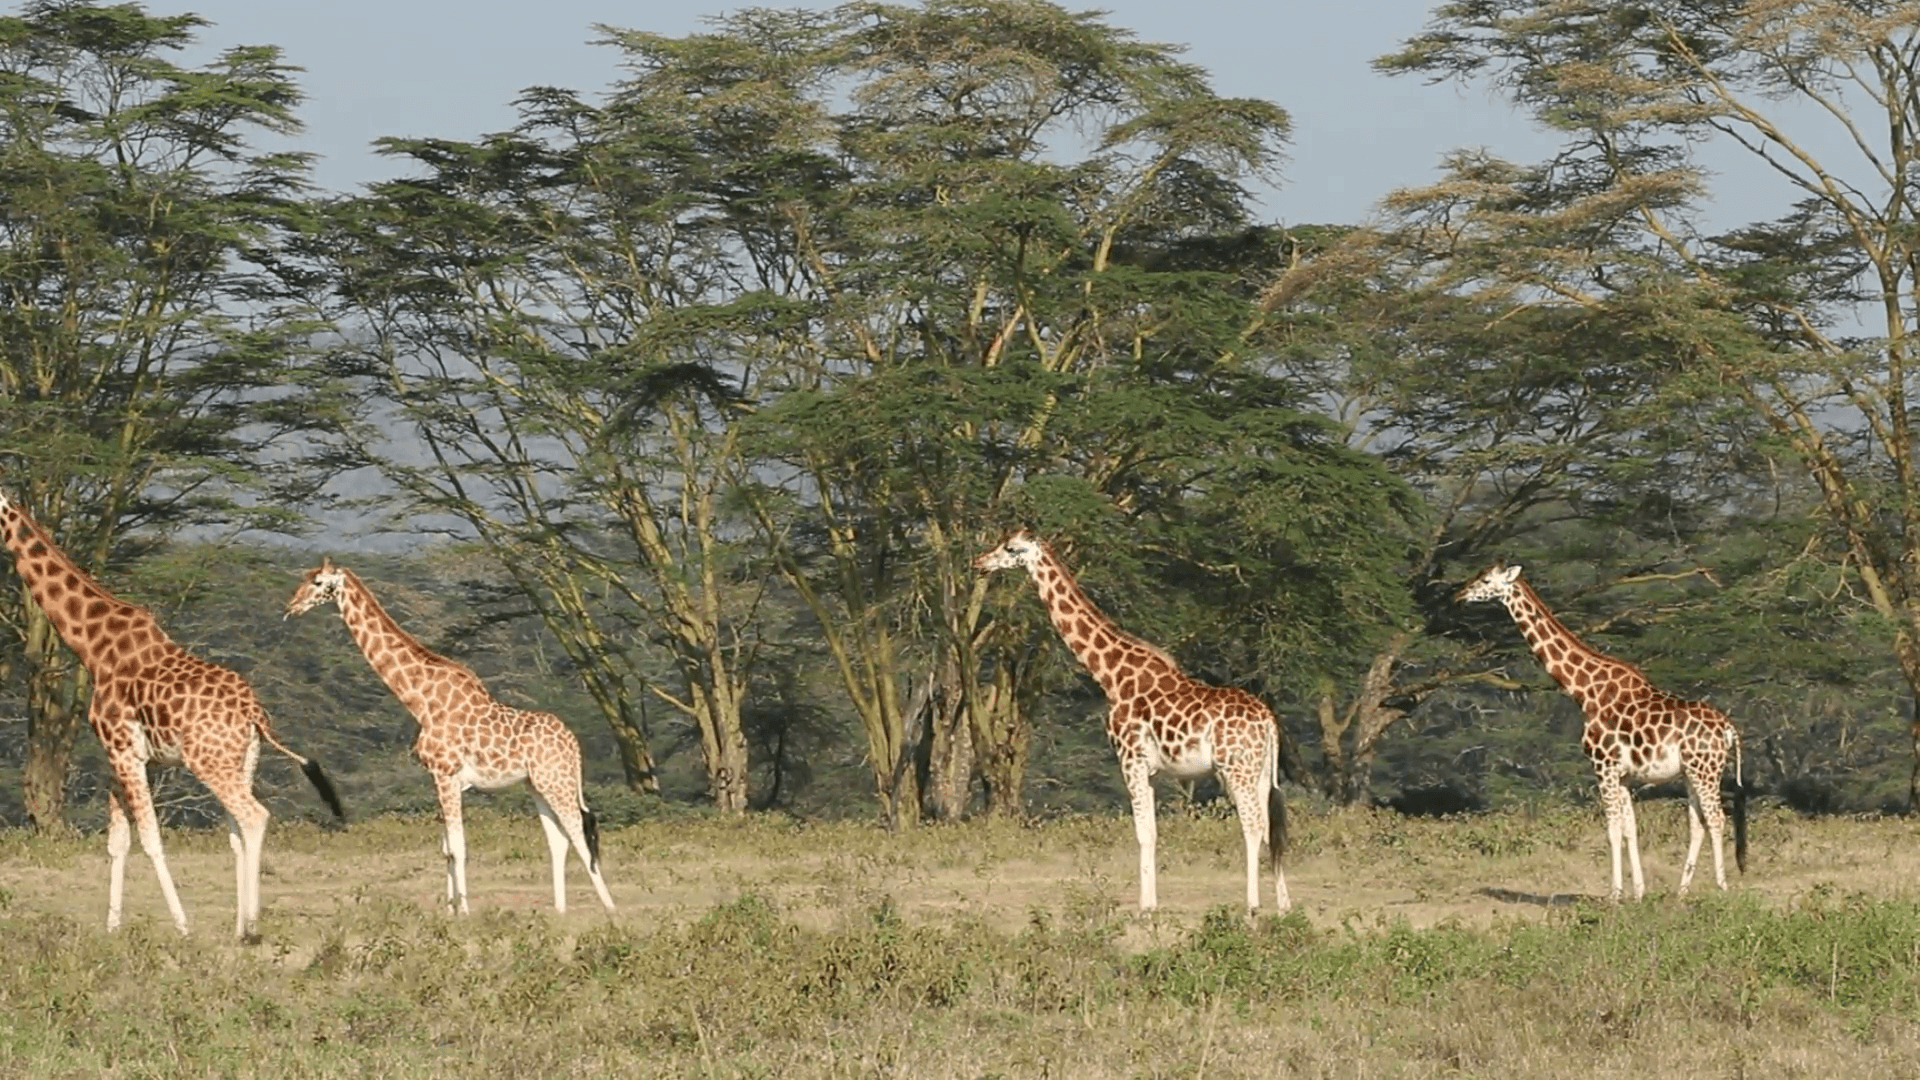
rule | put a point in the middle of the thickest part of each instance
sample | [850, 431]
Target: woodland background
[682, 408]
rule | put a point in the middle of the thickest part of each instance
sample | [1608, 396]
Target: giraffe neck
[1111, 655]
[92, 621]
[1579, 668]
[405, 665]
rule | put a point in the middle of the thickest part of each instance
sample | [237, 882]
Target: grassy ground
[1468, 947]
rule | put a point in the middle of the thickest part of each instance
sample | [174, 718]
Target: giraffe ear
[1511, 573]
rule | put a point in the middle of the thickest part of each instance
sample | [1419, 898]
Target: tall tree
[1804, 319]
[1032, 300]
[146, 362]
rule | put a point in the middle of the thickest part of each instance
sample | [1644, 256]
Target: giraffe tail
[1739, 807]
[315, 775]
[1276, 804]
[590, 825]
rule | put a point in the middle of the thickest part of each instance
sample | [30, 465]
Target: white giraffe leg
[239, 877]
[556, 850]
[454, 845]
[1250, 808]
[148, 825]
[1705, 798]
[1613, 797]
[1696, 832]
[563, 831]
[1145, 829]
[1630, 826]
[119, 842]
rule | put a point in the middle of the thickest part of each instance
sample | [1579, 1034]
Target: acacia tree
[546, 316]
[1804, 320]
[1005, 332]
[1553, 435]
[146, 375]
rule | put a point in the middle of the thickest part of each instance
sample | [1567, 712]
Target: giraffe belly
[488, 778]
[1654, 765]
[1190, 764]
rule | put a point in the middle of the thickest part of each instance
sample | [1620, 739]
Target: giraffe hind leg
[247, 834]
[578, 830]
[1251, 809]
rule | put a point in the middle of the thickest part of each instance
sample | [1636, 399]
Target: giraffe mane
[393, 624]
[1126, 637]
[1568, 635]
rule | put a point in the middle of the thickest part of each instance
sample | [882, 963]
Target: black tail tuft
[591, 826]
[325, 787]
[1276, 827]
[1740, 826]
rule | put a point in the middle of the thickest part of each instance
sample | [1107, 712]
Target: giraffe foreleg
[1630, 829]
[1139, 781]
[454, 843]
[119, 842]
[1616, 805]
[132, 777]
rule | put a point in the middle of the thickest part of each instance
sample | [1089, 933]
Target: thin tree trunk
[723, 744]
[1352, 742]
[949, 745]
[1003, 742]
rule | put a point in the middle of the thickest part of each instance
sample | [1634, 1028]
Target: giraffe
[467, 739]
[1634, 732]
[154, 701]
[1161, 719]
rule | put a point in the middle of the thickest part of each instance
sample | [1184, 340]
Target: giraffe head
[1020, 549]
[1496, 584]
[324, 584]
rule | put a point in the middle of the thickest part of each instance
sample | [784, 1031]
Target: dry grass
[764, 948]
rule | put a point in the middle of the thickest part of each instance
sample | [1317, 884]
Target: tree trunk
[1003, 741]
[948, 743]
[1351, 742]
[56, 686]
[723, 744]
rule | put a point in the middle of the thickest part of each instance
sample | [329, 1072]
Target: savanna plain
[764, 947]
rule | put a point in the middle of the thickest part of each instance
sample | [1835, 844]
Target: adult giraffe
[1162, 720]
[467, 739]
[1634, 732]
[154, 701]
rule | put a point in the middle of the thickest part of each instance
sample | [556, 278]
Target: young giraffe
[1634, 732]
[1160, 718]
[154, 701]
[467, 739]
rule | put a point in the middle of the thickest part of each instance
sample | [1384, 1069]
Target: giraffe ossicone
[1634, 732]
[467, 738]
[1162, 720]
[154, 701]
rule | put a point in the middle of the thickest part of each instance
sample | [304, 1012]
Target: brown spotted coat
[1635, 733]
[467, 739]
[154, 701]
[1160, 719]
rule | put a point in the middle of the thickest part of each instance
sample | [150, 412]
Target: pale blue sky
[451, 69]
